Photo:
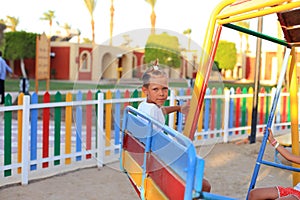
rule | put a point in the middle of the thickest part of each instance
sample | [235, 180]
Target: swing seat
[284, 140]
[290, 21]
[160, 162]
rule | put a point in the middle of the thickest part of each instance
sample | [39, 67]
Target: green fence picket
[7, 135]
[57, 127]
[244, 109]
[267, 105]
[219, 110]
[135, 94]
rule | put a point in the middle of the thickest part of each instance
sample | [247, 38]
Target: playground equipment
[163, 164]
[228, 12]
[160, 162]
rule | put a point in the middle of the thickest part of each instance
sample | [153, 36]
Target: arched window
[85, 61]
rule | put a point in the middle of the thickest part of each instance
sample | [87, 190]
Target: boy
[155, 86]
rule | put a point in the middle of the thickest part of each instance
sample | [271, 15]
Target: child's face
[157, 91]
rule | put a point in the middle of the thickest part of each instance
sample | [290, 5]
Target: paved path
[107, 183]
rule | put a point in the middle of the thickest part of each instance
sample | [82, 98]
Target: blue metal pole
[270, 120]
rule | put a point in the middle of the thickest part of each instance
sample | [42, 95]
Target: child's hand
[271, 137]
[184, 109]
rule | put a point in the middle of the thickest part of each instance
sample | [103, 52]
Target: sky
[131, 17]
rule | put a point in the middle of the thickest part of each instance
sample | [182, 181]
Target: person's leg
[263, 193]
[2, 93]
[206, 187]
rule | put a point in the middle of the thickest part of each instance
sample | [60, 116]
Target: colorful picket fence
[233, 113]
[70, 131]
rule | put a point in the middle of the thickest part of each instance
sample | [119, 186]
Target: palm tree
[86, 41]
[188, 33]
[12, 23]
[67, 28]
[112, 10]
[48, 16]
[2, 28]
[127, 40]
[91, 5]
[78, 35]
[153, 15]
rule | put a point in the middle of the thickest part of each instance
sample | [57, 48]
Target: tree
[49, 16]
[91, 5]
[86, 41]
[153, 15]
[2, 28]
[12, 23]
[112, 10]
[18, 46]
[67, 28]
[188, 33]
[226, 55]
[127, 40]
[164, 47]
[78, 35]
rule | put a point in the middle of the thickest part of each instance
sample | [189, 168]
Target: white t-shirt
[152, 110]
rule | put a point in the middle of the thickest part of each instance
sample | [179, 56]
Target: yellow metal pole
[208, 39]
[294, 113]
[237, 12]
[207, 44]
[255, 12]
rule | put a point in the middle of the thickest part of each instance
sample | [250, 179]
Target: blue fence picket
[179, 115]
[231, 111]
[78, 125]
[206, 112]
[33, 131]
[117, 119]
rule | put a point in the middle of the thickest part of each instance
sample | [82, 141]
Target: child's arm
[170, 109]
[283, 151]
[183, 108]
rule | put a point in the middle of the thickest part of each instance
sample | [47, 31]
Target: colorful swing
[163, 164]
[160, 162]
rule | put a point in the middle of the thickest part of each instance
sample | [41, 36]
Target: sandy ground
[228, 167]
